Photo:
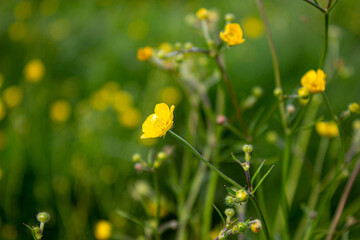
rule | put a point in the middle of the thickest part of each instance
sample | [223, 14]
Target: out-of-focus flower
[152, 208]
[103, 230]
[327, 129]
[202, 14]
[166, 47]
[158, 123]
[2, 110]
[17, 31]
[13, 96]
[303, 93]
[232, 35]
[34, 70]
[144, 54]
[130, 118]
[354, 108]
[314, 81]
[60, 111]
[170, 96]
[23, 10]
[122, 101]
[253, 27]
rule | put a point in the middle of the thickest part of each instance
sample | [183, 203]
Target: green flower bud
[247, 148]
[156, 164]
[229, 200]
[37, 232]
[235, 229]
[242, 227]
[278, 92]
[229, 17]
[136, 157]
[229, 212]
[43, 217]
[161, 156]
[188, 45]
[179, 58]
[257, 91]
[241, 196]
[161, 54]
[354, 108]
[178, 46]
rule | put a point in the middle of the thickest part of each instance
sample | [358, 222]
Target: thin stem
[315, 5]
[275, 61]
[199, 156]
[232, 94]
[327, 104]
[247, 173]
[158, 203]
[326, 39]
[258, 209]
[343, 199]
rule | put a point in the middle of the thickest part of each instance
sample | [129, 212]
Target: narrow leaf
[257, 172]
[263, 178]
[218, 211]
[130, 217]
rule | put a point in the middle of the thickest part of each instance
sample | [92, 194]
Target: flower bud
[290, 109]
[202, 14]
[43, 217]
[271, 136]
[256, 226]
[354, 108]
[235, 229]
[136, 157]
[247, 148]
[156, 164]
[161, 156]
[161, 54]
[37, 232]
[188, 45]
[242, 227]
[278, 92]
[178, 46]
[241, 196]
[229, 212]
[221, 119]
[303, 93]
[257, 91]
[138, 167]
[229, 17]
[356, 125]
[229, 200]
[179, 58]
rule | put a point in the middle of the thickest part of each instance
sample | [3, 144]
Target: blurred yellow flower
[152, 208]
[314, 81]
[17, 31]
[327, 129]
[2, 110]
[202, 14]
[60, 111]
[34, 70]
[144, 54]
[166, 47]
[158, 123]
[354, 108]
[103, 230]
[232, 35]
[1, 80]
[122, 101]
[130, 118]
[253, 27]
[170, 95]
[13, 96]
[23, 10]
[303, 93]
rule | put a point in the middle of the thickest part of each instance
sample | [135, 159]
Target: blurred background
[73, 96]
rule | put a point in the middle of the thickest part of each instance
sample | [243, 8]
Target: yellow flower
[314, 81]
[144, 54]
[13, 96]
[60, 111]
[256, 226]
[158, 123]
[103, 230]
[354, 108]
[232, 35]
[327, 129]
[34, 70]
[253, 27]
[202, 14]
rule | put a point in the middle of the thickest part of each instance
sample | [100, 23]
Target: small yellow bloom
[232, 35]
[327, 129]
[60, 111]
[354, 108]
[34, 70]
[256, 226]
[314, 81]
[13, 96]
[202, 14]
[158, 123]
[144, 54]
[103, 230]
[253, 27]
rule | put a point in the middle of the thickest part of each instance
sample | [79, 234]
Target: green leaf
[218, 211]
[257, 172]
[263, 178]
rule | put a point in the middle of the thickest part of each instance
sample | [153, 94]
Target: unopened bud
[235, 229]
[354, 108]
[256, 226]
[161, 54]
[303, 93]
[242, 227]
[161, 156]
[257, 91]
[138, 167]
[221, 119]
[229, 17]
[136, 157]
[241, 196]
[247, 148]
[278, 92]
[156, 164]
[178, 46]
[188, 45]
[179, 58]
[202, 14]
[290, 109]
[229, 212]
[229, 200]
[43, 217]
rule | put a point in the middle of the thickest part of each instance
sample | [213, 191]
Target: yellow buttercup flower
[144, 54]
[158, 123]
[327, 129]
[103, 230]
[202, 14]
[34, 70]
[13, 96]
[232, 35]
[256, 226]
[60, 111]
[314, 81]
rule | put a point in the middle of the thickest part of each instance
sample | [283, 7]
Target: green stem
[325, 46]
[258, 209]
[199, 156]
[158, 200]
